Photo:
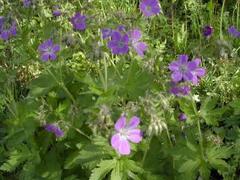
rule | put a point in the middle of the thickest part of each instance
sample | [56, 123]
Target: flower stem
[63, 86]
[146, 151]
[105, 74]
[221, 20]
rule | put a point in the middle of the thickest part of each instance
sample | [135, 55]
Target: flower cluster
[48, 50]
[185, 71]
[121, 40]
[7, 29]
[234, 32]
[53, 128]
[126, 132]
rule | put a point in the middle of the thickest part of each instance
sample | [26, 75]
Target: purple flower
[119, 43]
[54, 129]
[126, 132]
[233, 31]
[27, 3]
[7, 30]
[106, 33]
[182, 70]
[56, 11]
[48, 50]
[182, 117]
[207, 31]
[79, 21]
[135, 36]
[179, 90]
[121, 28]
[149, 7]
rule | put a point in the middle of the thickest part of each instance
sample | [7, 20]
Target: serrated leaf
[209, 113]
[103, 169]
[16, 157]
[116, 172]
[189, 166]
[216, 156]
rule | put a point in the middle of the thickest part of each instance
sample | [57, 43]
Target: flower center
[183, 68]
[78, 21]
[123, 133]
[49, 50]
[121, 44]
[148, 8]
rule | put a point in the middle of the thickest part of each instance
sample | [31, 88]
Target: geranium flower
[7, 30]
[119, 43]
[106, 33]
[140, 47]
[56, 11]
[126, 132]
[149, 7]
[27, 3]
[54, 129]
[207, 31]
[179, 90]
[182, 117]
[182, 70]
[79, 21]
[233, 31]
[48, 50]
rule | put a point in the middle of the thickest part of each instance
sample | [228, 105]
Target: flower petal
[56, 48]
[134, 122]
[115, 141]
[188, 76]
[134, 135]
[124, 147]
[176, 76]
[174, 66]
[183, 58]
[121, 123]
[140, 48]
[135, 34]
[200, 72]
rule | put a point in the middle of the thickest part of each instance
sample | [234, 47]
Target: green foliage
[87, 88]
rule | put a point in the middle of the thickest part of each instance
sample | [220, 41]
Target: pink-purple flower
[7, 29]
[207, 31]
[149, 7]
[119, 43]
[48, 50]
[126, 133]
[184, 70]
[179, 89]
[54, 128]
[234, 32]
[106, 33]
[135, 36]
[27, 3]
[79, 21]
[56, 11]
[182, 117]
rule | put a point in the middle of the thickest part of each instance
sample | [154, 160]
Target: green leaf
[216, 156]
[42, 85]
[104, 167]
[209, 113]
[16, 157]
[189, 166]
[187, 106]
[116, 172]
